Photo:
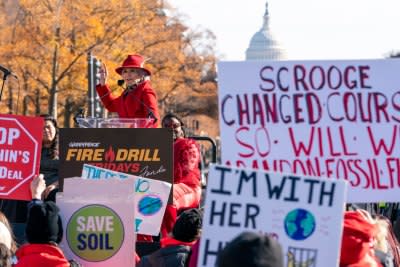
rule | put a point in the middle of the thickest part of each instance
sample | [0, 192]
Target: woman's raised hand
[103, 74]
[38, 185]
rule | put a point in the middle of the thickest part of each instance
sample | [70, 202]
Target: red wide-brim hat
[133, 61]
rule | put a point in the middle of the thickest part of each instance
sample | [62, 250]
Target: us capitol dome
[263, 45]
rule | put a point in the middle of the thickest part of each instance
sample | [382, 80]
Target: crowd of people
[368, 239]
[138, 100]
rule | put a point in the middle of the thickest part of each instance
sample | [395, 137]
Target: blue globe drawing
[299, 224]
[150, 205]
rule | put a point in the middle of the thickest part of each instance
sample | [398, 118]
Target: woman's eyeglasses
[132, 70]
[172, 125]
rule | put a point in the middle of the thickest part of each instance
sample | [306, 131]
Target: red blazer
[132, 104]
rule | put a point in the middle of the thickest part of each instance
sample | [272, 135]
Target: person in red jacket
[43, 232]
[358, 239]
[187, 182]
[138, 100]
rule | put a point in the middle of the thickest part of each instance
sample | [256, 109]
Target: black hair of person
[170, 116]
[187, 227]
[54, 143]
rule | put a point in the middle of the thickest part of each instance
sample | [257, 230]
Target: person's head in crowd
[251, 249]
[172, 121]
[186, 157]
[5, 235]
[187, 227]
[381, 235]
[386, 245]
[133, 71]
[4, 220]
[358, 241]
[5, 256]
[44, 224]
[50, 134]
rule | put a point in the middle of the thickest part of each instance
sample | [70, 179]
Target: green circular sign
[95, 233]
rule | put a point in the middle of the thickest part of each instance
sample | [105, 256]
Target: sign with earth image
[300, 212]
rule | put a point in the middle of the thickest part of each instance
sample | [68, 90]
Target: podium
[91, 122]
[159, 139]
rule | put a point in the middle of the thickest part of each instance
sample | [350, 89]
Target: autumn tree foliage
[46, 43]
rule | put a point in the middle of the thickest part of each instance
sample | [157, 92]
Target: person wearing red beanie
[357, 241]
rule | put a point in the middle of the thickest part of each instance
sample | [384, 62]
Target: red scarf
[169, 241]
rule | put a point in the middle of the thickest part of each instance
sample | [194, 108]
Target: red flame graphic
[109, 155]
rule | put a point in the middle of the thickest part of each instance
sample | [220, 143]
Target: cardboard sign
[300, 212]
[99, 224]
[150, 197]
[334, 119]
[20, 148]
[141, 152]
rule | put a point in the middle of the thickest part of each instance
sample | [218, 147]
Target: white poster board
[98, 225]
[150, 197]
[304, 214]
[335, 119]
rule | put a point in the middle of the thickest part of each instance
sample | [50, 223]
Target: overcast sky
[307, 29]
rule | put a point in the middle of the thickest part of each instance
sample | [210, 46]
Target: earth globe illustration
[299, 224]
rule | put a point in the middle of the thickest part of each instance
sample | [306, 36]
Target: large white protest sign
[335, 119]
[304, 214]
[98, 225]
[150, 197]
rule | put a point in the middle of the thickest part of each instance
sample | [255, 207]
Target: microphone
[149, 111]
[7, 72]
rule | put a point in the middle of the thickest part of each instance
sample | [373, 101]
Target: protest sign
[99, 227]
[150, 197]
[20, 148]
[141, 152]
[334, 119]
[300, 212]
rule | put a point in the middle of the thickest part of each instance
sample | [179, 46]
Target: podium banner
[140, 152]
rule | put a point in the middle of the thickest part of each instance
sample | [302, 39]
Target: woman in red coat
[187, 182]
[138, 100]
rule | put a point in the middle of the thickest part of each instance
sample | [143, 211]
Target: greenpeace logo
[83, 144]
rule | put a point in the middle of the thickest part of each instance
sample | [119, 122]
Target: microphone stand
[130, 88]
[152, 116]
